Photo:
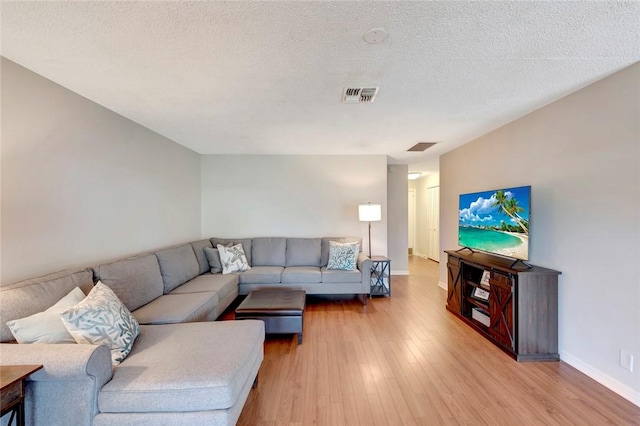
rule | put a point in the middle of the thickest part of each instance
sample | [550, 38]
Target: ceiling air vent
[421, 146]
[359, 95]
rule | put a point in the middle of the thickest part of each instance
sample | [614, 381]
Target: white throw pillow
[233, 259]
[46, 327]
[343, 256]
[102, 319]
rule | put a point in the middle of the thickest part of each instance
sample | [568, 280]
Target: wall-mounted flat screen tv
[496, 221]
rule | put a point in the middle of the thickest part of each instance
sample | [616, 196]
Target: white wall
[82, 184]
[293, 196]
[581, 155]
[398, 218]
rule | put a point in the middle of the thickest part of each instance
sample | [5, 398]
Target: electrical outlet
[626, 360]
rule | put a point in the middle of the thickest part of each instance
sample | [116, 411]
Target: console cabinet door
[454, 292]
[501, 310]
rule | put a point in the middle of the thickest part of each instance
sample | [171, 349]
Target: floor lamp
[370, 213]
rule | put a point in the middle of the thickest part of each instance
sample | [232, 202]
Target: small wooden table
[12, 390]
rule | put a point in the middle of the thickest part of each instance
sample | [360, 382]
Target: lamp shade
[369, 212]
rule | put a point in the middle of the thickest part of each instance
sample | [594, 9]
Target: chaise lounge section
[181, 373]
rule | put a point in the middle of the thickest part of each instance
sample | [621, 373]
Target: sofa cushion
[325, 246]
[185, 367]
[102, 319]
[31, 296]
[246, 244]
[261, 275]
[136, 281]
[198, 249]
[303, 251]
[176, 308]
[221, 284]
[177, 266]
[268, 251]
[338, 276]
[301, 274]
[47, 326]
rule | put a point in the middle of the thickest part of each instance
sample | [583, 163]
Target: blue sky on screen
[477, 209]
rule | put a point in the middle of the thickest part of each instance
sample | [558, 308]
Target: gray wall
[83, 184]
[293, 196]
[581, 155]
[397, 213]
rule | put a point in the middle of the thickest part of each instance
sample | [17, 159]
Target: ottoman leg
[300, 338]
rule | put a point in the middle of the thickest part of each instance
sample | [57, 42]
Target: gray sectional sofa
[299, 263]
[170, 286]
[184, 367]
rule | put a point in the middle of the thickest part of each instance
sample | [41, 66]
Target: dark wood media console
[515, 308]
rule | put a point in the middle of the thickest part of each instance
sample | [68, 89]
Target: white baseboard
[623, 390]
[442, 285]
[399, 272]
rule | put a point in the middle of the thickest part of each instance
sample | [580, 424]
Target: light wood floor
[406, 361]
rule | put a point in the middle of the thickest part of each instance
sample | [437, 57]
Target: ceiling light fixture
[414, 175]
[375, 35]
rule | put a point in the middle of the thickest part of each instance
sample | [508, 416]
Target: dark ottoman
[281, 310]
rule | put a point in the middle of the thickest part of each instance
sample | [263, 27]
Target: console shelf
[520, 313]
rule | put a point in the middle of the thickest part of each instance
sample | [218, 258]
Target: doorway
[412, 220]
[433, 223]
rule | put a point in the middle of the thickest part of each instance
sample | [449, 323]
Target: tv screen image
[496, 221]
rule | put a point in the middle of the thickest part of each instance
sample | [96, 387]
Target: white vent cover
[359, 95]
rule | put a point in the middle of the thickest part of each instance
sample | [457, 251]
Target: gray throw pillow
[213, 257]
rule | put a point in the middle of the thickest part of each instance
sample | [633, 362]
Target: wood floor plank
[377, 413]
[405, 360]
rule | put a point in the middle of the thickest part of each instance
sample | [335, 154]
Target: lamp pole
[369, 239]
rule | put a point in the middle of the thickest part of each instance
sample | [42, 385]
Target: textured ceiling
[267, 77]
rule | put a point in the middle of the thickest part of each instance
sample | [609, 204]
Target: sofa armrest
[65, 390]
[61, 361]
[364, 266]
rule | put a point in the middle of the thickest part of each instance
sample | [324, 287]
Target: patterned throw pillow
[233, 259]
[102, 319]
[343, 256]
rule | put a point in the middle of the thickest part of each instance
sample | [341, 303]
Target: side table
[12, 379]
[380, 276]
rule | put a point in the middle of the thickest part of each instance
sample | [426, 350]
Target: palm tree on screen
[509, 206]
